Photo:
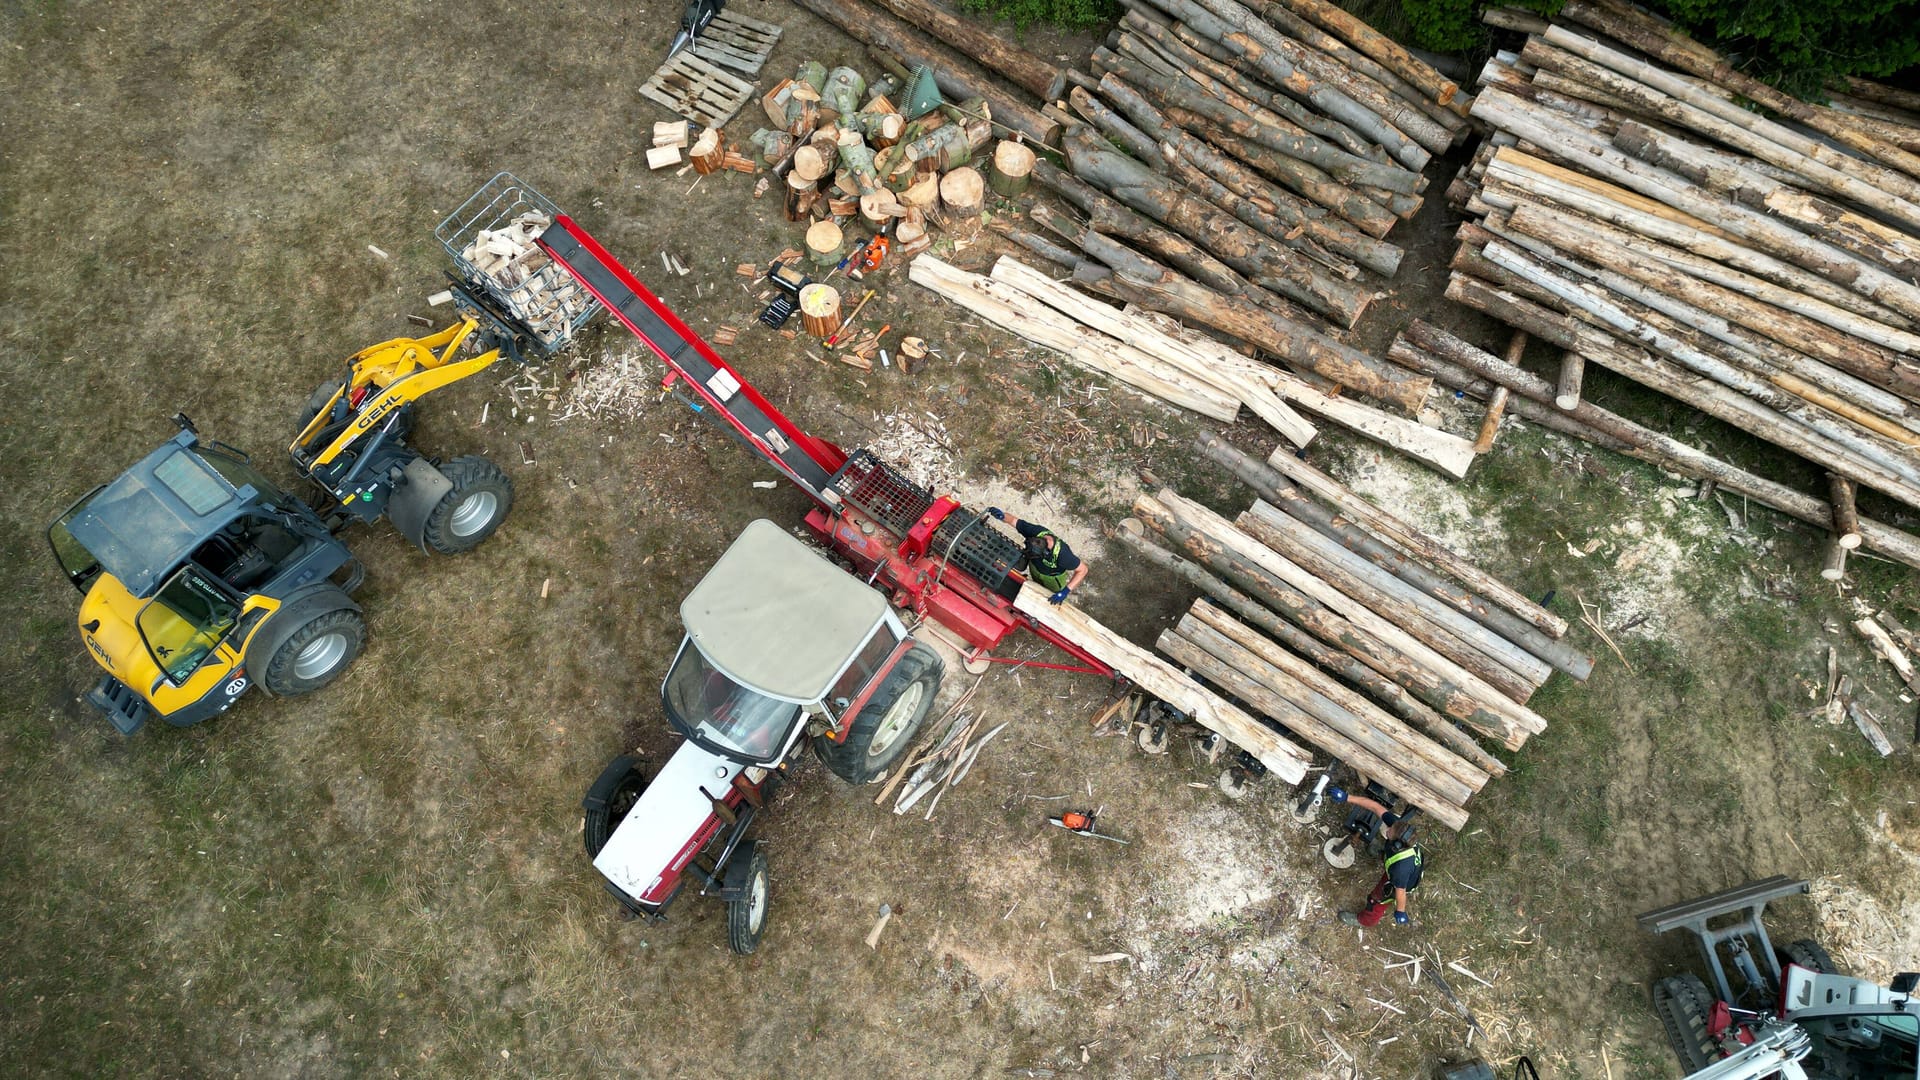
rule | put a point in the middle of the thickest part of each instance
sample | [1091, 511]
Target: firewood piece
[708, 152]
[1384, 690]
[726, 335]
[1573, 371]
[1166, 682]
[1846, 519]
[923, 193]
[801, 195]
[1869, 726]
[1619, 433]
[825, 244]
[1012, 165]
[1833, 564]
[910, 234]
[1490, 422]
[913, 348]
[739, 163]
[877, 208]
[670, 132]
[820, 310]
[662, 157]
[1882, 646]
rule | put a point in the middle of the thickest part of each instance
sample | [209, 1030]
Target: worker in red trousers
[1404, 863]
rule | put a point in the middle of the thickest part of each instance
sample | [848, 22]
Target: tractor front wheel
[613, 796]
[885, 727]
[476, 506]
[1682, 1002]
[747, 913]
[316, 653]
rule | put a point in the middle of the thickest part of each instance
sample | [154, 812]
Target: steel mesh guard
[882, 492]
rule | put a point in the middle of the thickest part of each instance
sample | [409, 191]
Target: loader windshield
[1865, 1045]
[708, 706]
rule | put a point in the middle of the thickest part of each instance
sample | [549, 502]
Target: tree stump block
[962, 196]
[826, 245]
[1011, 167]
[802, 193]
[820, 310]
[811, 163]
[708, 153]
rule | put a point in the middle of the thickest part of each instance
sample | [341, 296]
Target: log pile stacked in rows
[1634, 214]
[1263, 148]
[1353, 631]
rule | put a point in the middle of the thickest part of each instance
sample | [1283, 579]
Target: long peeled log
[1337, 525]
[993, 51]
[1389, 694]
[1384, 50]
[1197, 542]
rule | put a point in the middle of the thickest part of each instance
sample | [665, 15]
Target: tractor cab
[780, 643]
[181, 561]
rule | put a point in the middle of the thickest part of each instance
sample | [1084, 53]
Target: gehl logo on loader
[100, 652]
[372, 416]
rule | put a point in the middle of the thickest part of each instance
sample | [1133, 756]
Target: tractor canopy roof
[156, 513]
[778, 617]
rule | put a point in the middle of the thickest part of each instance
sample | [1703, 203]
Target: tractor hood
[776, 616]
[668, 826]
[107, 626]
[143, 524]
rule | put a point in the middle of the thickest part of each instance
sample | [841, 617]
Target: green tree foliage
[1070, 14]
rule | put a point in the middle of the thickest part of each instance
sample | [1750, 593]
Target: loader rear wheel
[1682, 1003]
[885, 727]
[476, 506]
[316, 653]
[747, 915]
[1810, 955]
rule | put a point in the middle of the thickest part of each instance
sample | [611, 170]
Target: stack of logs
[1159, 357]
[1634, 214]
[838, 160]
[1354, 631]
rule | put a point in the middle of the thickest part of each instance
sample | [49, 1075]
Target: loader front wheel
[1810, 955]
[476, 506]
[1682, 1002]
[318, 400]
[886, 725]
[747, 913]
[316, 653]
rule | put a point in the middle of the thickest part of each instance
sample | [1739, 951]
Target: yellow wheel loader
[201, 576]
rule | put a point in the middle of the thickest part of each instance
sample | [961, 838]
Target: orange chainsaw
[1082, 825]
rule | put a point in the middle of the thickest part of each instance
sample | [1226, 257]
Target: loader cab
[180, 560]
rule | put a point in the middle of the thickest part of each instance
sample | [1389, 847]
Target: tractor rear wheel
[1810, 955]
[747, 914]
[1683, 1002]
[886, 725]
[316, 653]
[476, 506]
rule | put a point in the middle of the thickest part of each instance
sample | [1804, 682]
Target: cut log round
[708, 152]
[962, 196]
[820, 310]
[922, 194]
[810, 163]
[880, 207]
[825, 244]
[801, 195]
[1834, 566]
[1012, 167]
[910, 234]
[1846, 518]
[1573, 372]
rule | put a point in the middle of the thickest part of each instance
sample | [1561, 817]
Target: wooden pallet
[697, 90]
[738, 42]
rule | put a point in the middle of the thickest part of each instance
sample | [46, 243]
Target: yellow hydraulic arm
[394, 373]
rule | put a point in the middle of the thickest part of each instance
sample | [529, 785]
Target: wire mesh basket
[491, 240]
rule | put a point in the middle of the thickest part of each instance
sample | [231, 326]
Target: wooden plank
[1166, 682]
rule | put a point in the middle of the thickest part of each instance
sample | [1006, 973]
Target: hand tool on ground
[1082, 824]
[873, 935]
[848, 324]
[697, 16]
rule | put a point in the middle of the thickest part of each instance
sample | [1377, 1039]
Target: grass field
[386, 878]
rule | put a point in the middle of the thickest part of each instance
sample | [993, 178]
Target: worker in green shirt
[1050, 562]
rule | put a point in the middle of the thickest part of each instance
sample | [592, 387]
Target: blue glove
[996, 513]
[1337, 794]
[1059, 597]
[1400, 918]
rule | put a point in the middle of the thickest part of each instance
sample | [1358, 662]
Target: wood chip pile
[1633, 212]
[1353, 631]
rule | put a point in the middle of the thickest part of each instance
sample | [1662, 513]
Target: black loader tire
[1810, 955]
[476, 506]
[1683, 1002]
[612, 798]
[895, 712]
[317, 651]
[318, 400]
[747, 916]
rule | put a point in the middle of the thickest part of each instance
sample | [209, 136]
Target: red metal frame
[919, 582]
